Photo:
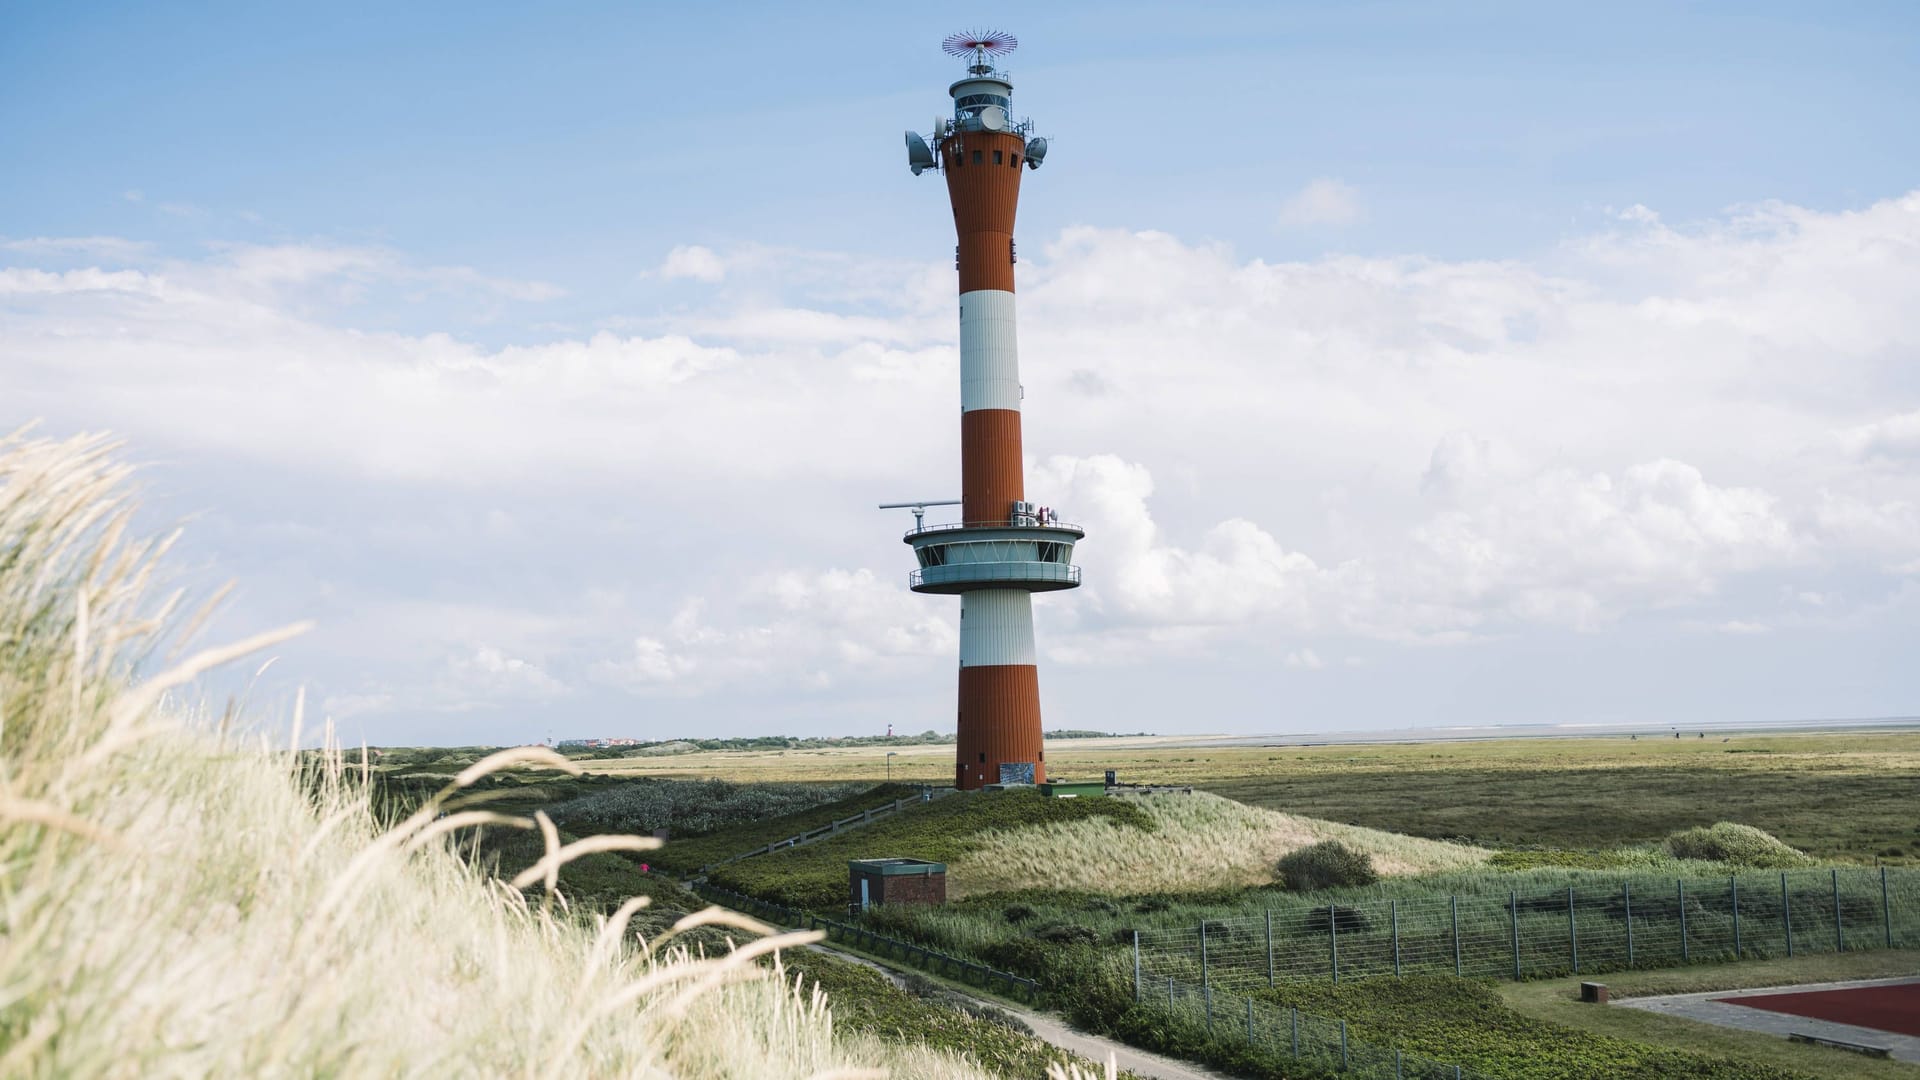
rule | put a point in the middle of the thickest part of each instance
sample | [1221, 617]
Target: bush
[1017, 913]
[1328, 864]
[1736, 845]
[1068, 934]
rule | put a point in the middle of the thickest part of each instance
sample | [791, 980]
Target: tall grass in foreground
[172, 903]
[1198, 841]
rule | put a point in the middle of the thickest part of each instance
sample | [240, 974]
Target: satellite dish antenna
[1036, 151]
[919, 155]
[993, 118]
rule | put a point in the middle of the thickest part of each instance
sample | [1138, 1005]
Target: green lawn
[1557, 1001]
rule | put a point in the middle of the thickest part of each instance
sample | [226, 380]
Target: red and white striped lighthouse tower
[1004, 548]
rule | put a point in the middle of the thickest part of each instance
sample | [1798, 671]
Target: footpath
[1052, 1029]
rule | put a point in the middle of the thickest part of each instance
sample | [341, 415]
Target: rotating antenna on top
[978, 45]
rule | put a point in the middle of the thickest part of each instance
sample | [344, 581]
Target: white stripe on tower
[989, 353]
[996, 628]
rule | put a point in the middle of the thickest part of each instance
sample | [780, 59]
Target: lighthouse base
[999, 740]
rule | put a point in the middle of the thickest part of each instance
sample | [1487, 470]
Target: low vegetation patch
[1736, 845]
[692, 806]
[1195, 840]
[947, 830]
[1466, 1022]
[687, 855]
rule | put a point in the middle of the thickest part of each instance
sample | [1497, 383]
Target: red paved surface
[1883, 1008]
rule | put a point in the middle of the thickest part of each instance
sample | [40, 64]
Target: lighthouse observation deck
[1031, 551]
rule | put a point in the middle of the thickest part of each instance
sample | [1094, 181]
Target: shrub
[1737, 845]
[1017, 913]
[1328, 864]
[1067, 934]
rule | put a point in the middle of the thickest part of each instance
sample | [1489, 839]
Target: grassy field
[1557, 1001]
[1842, 795]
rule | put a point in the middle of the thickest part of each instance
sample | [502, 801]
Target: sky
[1407, 364]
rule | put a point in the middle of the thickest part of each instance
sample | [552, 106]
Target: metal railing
[1578, 929]
[831, 828]
[964, 572]
[1004, 523]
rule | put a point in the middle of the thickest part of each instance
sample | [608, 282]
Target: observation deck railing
[947, 526]
[1062, 574]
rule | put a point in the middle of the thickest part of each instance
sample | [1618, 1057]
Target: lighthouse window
[1016, 161]
[997, 158]
[983, 757]
[976, 157]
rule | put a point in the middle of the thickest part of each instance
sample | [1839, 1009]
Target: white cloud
[1656, 425]
[1325, 201]
[693, 261]
[1304, 660]
[490, 673]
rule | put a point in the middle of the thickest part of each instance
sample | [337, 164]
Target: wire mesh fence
[1322, 1044]
[1589, 928]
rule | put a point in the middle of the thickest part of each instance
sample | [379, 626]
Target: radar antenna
[978, 45]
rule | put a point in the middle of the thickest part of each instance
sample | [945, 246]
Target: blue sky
[1502, 362]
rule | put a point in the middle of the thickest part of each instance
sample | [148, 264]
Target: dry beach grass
[177, 903]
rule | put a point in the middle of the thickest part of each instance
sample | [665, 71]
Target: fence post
[1136, 965]
[1393, 911]
[1270, 942]
[1204, 982]
[1169, 995]
[1343, 1045]
[1513, 916]
[1786, 911]
[1733, 892]
[1333, 942]
[1399, 1070]
[1886, 909]
[1573, 933]
[1456, 934]
[1680, 890]
[1206, 999]
[1626, 890]
[1249, 1021]
[1839, 942]
[1296, 1031]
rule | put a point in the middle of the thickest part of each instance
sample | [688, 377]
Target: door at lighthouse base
[1016, 772]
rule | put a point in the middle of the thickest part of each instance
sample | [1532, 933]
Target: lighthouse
[1006, 546]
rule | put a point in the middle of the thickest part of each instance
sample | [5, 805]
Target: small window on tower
[1041, 755]
[976, 157]
[1015, 162]
[997, 160]
[983, 757]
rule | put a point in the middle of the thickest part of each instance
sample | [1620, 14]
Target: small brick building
[896, 881]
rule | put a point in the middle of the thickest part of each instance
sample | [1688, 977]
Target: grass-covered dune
[946, 830]
[176, 904]
[1196, 841]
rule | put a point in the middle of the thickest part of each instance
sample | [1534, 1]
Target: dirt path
[1052, 1029]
